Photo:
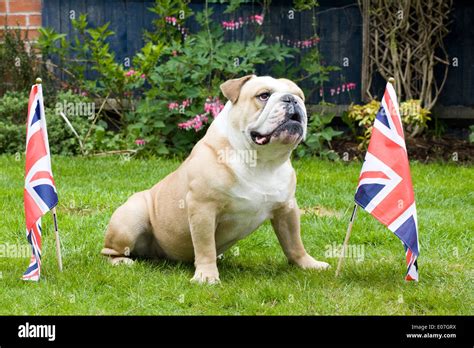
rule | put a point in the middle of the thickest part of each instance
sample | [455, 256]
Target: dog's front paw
[206, 274]
[308, 262]
[121, 261]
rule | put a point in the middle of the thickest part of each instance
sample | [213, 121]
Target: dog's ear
[231, 88]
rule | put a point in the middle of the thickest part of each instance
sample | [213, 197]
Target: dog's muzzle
[290, 129]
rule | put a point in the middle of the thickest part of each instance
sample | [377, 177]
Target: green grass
[256, 279]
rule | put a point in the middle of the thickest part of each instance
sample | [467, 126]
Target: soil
[424, 149]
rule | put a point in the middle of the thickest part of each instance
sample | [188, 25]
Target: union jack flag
[385, 189]
[40, 194]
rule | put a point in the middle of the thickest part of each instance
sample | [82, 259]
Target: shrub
[17, 63]
[62, 139]
[319, 135]
[176, 71]
[13, 113]
[88, 47]
[12, 137]
[13, 110]
[183, 97]
[13, 107]
[363, 116]
[414, 117]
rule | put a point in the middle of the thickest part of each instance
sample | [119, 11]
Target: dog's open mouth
[260, 139]
[292, 126]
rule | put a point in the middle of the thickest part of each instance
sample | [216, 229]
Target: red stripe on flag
[42, 175]
[372, 175]
[393, 113]
[390, 153]
[33, 92]
[35, 150]
[37, 235]
[32, 211]
[402, 196]
[398, 200]
[408, 256]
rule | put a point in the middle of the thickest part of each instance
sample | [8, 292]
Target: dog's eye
[263, 96]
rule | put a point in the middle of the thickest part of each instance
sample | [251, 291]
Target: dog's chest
[252, 201]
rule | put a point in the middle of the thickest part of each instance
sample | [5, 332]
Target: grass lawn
[255, 277]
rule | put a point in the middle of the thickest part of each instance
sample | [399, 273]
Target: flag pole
[346, 240]
[58, 242]
[56, 231]
[351, 223]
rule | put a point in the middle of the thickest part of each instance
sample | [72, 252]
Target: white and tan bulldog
[236, 177]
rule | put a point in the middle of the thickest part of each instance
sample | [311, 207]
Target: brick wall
[23, 14]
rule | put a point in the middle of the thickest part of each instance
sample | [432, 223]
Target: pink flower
[258, 19]
[233, 25]
[196, 123]
[143, 76]
[84, 94]
[320, 92]
[173, 106]
[186, 103]
[140, 142]
[350, 86]
[213, 106]
[332, 91]
[130, 72]
[171, 20]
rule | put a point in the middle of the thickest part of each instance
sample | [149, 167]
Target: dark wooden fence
[339, 29]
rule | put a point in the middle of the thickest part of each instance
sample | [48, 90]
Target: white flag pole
[58, 242]
[346, 240]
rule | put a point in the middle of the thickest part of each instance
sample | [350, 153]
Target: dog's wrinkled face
[267, 111]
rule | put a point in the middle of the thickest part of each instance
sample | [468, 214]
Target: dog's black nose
[288, 98]
[293, 110]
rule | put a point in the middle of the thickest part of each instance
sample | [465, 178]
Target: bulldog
[236, 177]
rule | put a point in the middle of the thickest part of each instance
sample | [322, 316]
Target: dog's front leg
[286, 223]
[202, 222]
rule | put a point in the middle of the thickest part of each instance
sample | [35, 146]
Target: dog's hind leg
[129, 232]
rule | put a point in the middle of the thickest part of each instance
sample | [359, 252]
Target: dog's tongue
[260, 139]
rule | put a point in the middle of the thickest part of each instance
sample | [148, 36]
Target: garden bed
[424, 149]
